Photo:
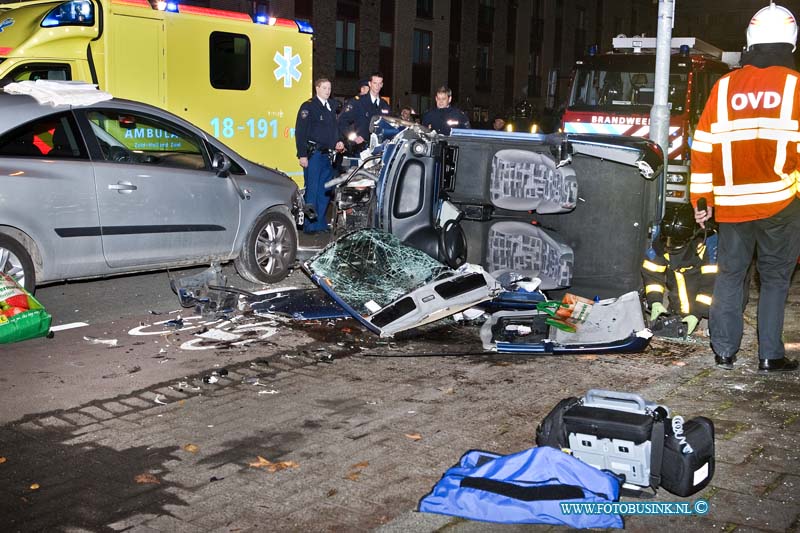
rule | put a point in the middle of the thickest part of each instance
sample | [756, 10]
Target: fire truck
[612, 93]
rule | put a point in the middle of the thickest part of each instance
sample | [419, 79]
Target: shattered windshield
[374, 266]
[613, 90]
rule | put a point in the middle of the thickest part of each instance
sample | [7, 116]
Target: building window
[346, 48]
[485, 21]
[425, 9]
[483, 74]
[423, 42]
[229, 55]
[580, 32]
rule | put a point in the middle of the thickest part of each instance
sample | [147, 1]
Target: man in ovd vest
[745, 165]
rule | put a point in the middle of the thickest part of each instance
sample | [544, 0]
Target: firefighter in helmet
[681, 265]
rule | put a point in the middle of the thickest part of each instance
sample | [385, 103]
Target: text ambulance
[240, 79]
[613, 93]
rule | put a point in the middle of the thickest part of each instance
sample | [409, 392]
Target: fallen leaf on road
[332, 492]
[191, 448]
[353, 476]
[679, 363]
[362, 464]
[146, 479]
[587, 358]
[35, 486]
[414, 436]
[269, 466]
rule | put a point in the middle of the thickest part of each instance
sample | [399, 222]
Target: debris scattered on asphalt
[147, 479]
[222, 371]
[154, 312]
[414, 436]
[134, 370]
[158, 400]
[95, 340]
[271, 391]
[271, 467]
[176, 323]
[34, 486]
[210, 379]
[215, 478]
[191, 448]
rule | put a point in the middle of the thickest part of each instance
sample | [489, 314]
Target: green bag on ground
[22, 317]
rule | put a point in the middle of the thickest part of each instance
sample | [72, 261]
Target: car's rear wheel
[16, 262]
[270, 249]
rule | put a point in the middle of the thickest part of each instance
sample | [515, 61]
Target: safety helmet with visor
[772, 24]
[678, 227]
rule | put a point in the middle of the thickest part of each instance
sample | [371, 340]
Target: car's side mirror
[221, 164]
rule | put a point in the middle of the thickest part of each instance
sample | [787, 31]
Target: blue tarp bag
[524, 488]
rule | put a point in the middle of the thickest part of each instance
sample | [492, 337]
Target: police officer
[444, 117]
[354, 120]
[316, 137]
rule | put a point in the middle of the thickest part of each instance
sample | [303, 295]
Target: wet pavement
[324, 427]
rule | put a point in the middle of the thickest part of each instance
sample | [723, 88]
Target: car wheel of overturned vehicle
[16, 262]
[270, 249]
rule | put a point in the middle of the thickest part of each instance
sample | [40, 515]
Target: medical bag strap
[657, 437]
[524, 494]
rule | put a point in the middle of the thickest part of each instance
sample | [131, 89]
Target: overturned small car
[573, 210]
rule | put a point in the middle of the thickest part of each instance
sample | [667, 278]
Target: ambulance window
[41, 71]
[52, 137]
[230, 61]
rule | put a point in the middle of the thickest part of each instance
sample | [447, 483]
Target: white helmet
[773, 24]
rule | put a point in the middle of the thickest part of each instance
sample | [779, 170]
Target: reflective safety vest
[687, 276]
[745, 157]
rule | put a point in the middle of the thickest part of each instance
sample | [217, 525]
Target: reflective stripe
[722, 100]
[754, 123]
[702, 177]
[787, 105]
[683, 296]
[704, 136]
[750, 199]
[652, 267]
[703, 299]
[701, 146]
[709, 269]
[756, 188]
[654, 288]
[702, 188]
[752, 134]
[727, 163]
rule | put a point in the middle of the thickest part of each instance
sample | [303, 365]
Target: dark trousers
[318, 171]
[777, 242]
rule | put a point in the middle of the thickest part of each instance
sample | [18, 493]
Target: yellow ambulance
[240, 79]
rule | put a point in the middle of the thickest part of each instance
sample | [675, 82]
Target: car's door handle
[123, 187]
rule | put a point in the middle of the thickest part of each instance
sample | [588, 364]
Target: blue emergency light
[262, 19]
[172, 7]
[73, 13]
[304, 26]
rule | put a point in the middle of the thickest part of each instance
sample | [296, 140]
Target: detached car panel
[390, 287]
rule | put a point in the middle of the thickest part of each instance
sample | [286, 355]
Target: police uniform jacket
[688, 275]
[317, 124]
[444, 119]
[357, 113]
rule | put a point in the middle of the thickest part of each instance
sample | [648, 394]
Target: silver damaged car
[119, 186]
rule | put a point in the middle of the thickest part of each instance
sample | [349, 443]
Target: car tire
[16, 262]
[269, 250]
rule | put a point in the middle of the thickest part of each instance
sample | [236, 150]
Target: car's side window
[135, 138]
[51, 137]
[41, 71]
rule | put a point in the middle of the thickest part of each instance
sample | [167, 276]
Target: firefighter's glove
[656, 310]
[691, 322]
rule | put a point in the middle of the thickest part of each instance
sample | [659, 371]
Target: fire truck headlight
[676, 178]
[534, 128]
